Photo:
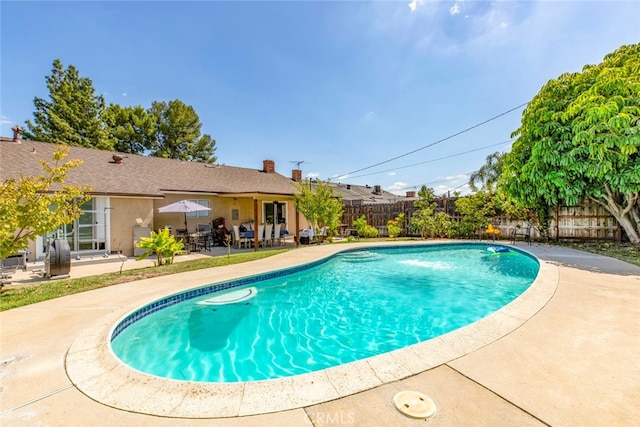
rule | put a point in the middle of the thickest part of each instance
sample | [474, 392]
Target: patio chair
[276, 234]
[260, 236]
[203, 228]
[268, 239]
[238, 240]
[524, 233]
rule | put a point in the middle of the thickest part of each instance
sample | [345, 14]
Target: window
[281, 212]
[199, 214]
[89, 233]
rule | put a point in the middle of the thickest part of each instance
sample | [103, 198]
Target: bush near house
[163, 244]
[364, 229]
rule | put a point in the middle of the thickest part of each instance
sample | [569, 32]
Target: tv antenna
[297, 162]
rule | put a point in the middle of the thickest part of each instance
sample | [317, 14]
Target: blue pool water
[355, 305]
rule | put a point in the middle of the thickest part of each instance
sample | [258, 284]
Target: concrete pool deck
[572, 362]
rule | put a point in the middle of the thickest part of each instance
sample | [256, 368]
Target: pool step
[361, 256]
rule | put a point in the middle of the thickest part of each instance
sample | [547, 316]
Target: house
[358, 195]
[128, 189]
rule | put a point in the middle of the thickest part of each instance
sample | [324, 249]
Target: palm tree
[487, 176]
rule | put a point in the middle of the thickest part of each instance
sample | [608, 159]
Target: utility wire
[432, 160]
[438, 141]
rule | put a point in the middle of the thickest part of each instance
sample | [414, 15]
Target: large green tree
[72, 115]
[34, 205]
[319, 205]
[580, 138]
[177, 133]
[131, 129]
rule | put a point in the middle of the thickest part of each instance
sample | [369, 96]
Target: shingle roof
[364, 193]
[139, 175]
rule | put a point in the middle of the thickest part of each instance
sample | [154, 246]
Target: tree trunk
[630, 229]
[623, 216]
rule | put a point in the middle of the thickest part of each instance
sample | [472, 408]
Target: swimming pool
[354, 305]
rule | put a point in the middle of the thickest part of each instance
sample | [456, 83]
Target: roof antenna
[297, 162]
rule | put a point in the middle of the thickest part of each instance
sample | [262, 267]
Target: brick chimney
[268, 166]
[16, 133]
[411, 194]
[296, 175]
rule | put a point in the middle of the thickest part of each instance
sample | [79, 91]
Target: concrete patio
[573, 362]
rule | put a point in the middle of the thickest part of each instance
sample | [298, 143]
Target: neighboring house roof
[139, 175]
[364, 194]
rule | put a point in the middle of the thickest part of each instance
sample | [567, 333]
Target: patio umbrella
[183, 206]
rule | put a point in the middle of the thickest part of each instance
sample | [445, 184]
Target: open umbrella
[183, 206]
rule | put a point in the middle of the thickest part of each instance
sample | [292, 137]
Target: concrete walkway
[573, 363]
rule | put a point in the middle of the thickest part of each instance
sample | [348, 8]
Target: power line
[432, 160]
[438, 141]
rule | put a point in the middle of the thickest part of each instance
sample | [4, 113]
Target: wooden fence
[587, 221]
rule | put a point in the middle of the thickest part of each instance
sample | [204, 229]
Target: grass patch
[623, 251]
[43, 291]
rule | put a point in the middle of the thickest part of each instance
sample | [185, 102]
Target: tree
[441, 226]
[488, 174]
[73, 115]
[319, 205]
[476, 211]
[131, 129]
[32, 206]
[579, 138]
[422, 219]
[177, 133]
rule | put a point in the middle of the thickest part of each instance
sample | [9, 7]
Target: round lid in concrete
[414, 404]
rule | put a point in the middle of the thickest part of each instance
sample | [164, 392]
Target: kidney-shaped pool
[353, 305]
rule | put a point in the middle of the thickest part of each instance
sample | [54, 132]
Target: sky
[393, 93]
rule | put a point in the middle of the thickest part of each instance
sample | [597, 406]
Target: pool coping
[98, 373]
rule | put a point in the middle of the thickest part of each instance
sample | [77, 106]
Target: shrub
[163, 244]
[395, 226]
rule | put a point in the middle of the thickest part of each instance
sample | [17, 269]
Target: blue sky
[340, 85]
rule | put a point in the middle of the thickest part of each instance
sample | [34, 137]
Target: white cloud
[124, 94]
[443, 189]
[455, 177]
[341, 177]
[455, 9]
[414, 4]
[391, 173]
[4, 120]
[312, 175]
[397, 186]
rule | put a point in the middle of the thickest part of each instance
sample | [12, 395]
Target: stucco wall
[124, 215]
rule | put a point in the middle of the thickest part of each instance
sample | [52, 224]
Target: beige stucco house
[128, 189]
